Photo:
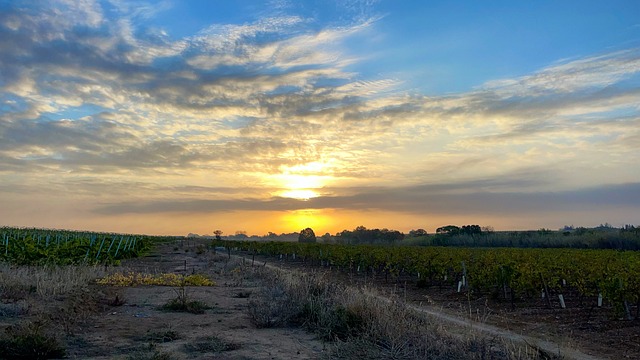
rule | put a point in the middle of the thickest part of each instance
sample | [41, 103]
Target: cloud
[140, 9]
[576, 75]
[86, 92]
[158, 101]
[417, 199]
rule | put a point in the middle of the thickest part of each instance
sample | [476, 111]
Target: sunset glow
[302, 194]
[301, 219]
[176, 117]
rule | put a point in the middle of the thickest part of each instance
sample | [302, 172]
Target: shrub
[183, 303]
[201, 249]
[29, 341]
[272, 307]
[364, 325]
[163, 336]
[165, 279]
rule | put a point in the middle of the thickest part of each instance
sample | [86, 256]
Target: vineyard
[596, 277]
[58, 247]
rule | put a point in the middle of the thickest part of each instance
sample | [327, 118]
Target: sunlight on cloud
[302, 194]
[303, 181]
[299, 186]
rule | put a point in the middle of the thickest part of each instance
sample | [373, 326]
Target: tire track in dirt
[463, 326]
[545, 345]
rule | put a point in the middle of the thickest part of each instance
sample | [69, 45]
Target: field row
[56, 247]
[602, 275]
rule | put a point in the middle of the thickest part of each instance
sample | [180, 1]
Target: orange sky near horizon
[321, 221]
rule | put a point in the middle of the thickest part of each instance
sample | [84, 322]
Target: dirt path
[124, 330]
[461, 326]
[470, 325]
[138, 329]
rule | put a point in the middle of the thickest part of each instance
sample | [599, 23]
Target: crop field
[182, 299]
[23, 246]
[598, 277]
[415, 300]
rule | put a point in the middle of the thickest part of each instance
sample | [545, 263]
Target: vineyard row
[523, 273]
[55, 247]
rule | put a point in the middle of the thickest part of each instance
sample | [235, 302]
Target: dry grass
[240, 271]
[273, 306]
[56, 299]
[30, 340]
[211, 344]
[149, 352]
[18, 281]
[363, 325]
[167, 334]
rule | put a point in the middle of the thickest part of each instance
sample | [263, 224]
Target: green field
[30, 246]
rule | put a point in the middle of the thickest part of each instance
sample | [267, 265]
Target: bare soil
[138, 329]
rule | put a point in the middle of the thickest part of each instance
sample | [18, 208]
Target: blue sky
[178, 116]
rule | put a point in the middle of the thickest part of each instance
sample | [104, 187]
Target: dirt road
[460, 326]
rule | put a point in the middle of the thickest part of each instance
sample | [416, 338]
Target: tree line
[599, 237]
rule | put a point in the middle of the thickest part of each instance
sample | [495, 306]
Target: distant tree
[581, 230]
[471, 229]
[630, 229]
[240, 234]
[307, 236]
[448, 230]
[488, 229]
[387, 236]
[218, 234]
[605, 227]
[418, 232]
[543, 231]
[362, 235]
[326, 238]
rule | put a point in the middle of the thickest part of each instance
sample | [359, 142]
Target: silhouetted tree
[218, 234]
[362, 235]
[326, 238]
[488, 229]
[471, 229]
[418, 232]
[448, 230]
[307, 236]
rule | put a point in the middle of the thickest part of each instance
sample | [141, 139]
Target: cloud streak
[420, 200]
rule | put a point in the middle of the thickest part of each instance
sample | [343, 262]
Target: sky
[175, 117]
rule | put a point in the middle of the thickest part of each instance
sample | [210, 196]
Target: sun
[300, 194]
[301, 187]
[302, 181]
